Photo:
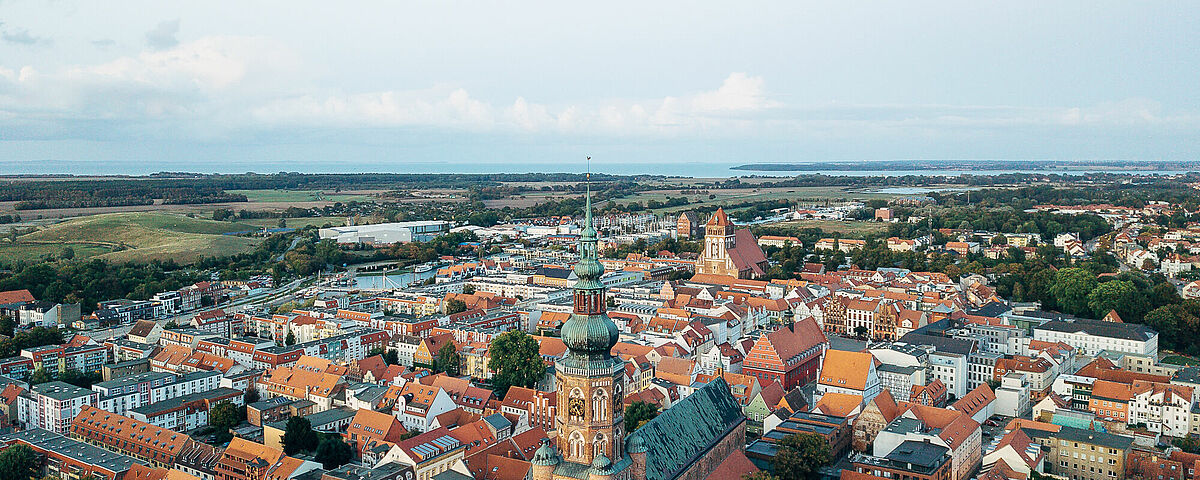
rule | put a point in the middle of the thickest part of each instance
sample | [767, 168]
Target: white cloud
[739, 93]
[223, 84]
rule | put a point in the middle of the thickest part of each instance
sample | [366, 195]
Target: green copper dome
[635, 444]
[589, 333]
[601, 465]
[545, 455]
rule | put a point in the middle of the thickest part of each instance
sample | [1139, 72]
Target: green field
[847, 229]
[142, 236]
[33, 252]
[297, 196]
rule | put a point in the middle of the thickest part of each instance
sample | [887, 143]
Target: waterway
[392, 280]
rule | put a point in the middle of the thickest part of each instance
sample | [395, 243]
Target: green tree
[1177, 325]
[1120, 295]
[250, 396]
[800, 455]
[638, 413]
[1070, 289]
[223, 417]
[468, 289]
[67, 253]
[291, 338]
[18, 462]
[7, 325]
[333, 452]
[455, 306]
[299, 436]
[40, 376]
[515, 361]
[759, 475]
[80, 379]
[448, 360]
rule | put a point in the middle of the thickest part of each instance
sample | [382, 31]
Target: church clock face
[576, 407]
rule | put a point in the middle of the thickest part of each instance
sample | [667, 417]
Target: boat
[422, 268]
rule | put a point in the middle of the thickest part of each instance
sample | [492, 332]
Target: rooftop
[1123, 331]
[74, 449]
[60, 390]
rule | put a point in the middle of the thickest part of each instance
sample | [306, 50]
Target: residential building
[850, 373]
[51, 406]
[1090, 337]
[790, 355]
[70, 459]
[1081, 454]
[148, 443]
[247, 460]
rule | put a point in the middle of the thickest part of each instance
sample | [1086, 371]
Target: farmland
[299, 196]
[138, 236]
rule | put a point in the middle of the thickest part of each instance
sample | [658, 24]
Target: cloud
[163, 35]
[199, 85]
[224, 86]
[21, 37]
[738, 93]
[103, 43]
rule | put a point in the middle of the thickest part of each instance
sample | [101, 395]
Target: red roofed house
[373, 433]
[790, 355]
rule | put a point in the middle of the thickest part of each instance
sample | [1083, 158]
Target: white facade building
[1090, 337]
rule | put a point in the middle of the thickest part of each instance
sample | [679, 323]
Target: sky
[138, 87]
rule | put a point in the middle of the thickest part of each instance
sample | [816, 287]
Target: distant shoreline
[979, 165]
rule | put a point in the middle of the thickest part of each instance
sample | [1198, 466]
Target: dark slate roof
[1124, 331]
[991, 309]
[941, 344]
[60, 391]
[1188, 374]
[679, 436]
[1045, 315]
[934, 328]
[1080, 435]
[918, 453]
[554, 272]
[74, 449]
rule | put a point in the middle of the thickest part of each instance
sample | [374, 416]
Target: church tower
[718, 241]
[590, 417]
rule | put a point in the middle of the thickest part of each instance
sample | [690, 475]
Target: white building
[386, 233]
[1090, 337]
[1012, 397]
[52, 405]
[951, 368]
[1164, 408]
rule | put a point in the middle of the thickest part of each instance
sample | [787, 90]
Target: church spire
[587, 207]
[589, 333]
